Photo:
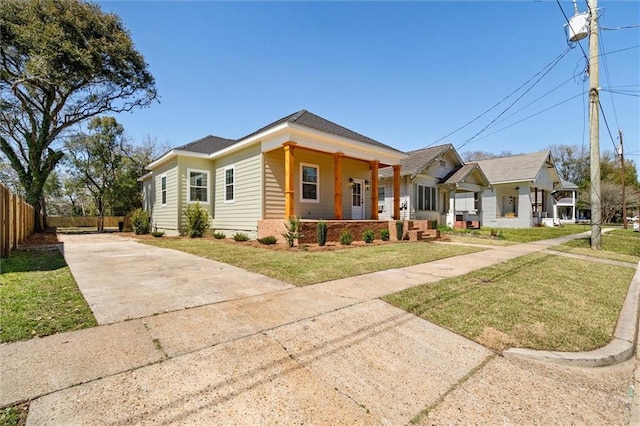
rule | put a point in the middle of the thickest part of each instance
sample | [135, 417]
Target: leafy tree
[62, 62]
[97, 160]
[572, 162]
[470, 156]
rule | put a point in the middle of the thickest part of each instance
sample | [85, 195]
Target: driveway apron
[122, 279]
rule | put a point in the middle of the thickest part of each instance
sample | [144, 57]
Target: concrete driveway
[122, 279]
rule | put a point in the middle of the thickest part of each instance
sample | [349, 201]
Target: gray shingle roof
[416, 161]
[210, 144]
[565, 184]
[523, 167]
[307, 119]
[207, 145]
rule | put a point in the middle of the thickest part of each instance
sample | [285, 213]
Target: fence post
[4, 221]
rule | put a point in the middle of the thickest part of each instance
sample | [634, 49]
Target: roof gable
[418, 160]
[459, 175]
[207, 145]
[523, 167]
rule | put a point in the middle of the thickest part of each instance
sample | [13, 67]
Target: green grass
[527, 235]
[479, 239]
[38, 297]
[309, 267]
[15, 415]
[621, 244]
[536, 301]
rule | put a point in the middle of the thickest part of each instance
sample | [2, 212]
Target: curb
[620, 349]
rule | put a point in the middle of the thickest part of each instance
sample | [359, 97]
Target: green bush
[346, 238]
[399, 229]
[293, 230]
[240, 237]
[197, 220]
[384, 235]
[322, 233]
[368, 236]
[219, 235]
[268, 240]
[140, 222]
[445, 229]
[157, 233]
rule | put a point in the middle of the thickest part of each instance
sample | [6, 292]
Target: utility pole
[624, 201]
[594, 129]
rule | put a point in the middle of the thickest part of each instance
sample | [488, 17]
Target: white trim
[317, 183]
[208, 187]
[224, 184]
[174, 153]
[166, 190]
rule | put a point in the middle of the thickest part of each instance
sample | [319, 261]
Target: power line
[528, 117]
[607, 124]
[552, 63]
[607, 76]
[517, 99]
[635, 94]
[620, 28]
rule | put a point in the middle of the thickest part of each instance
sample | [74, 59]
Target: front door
[357, 200]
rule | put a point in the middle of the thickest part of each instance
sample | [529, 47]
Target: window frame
[426, 198]
[189, 186]
[302, 183]
[163, 190]
[232, 184]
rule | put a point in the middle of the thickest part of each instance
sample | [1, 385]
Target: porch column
[288, 179]
[544, 204]
[536, 200]
[396, 192]
[337, 186]
[374, 189]
[573, 207]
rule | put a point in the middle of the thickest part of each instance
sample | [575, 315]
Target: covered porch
[301, 180]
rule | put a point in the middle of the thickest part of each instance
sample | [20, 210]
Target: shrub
[197, 220]
[157, 233]
[219, 235]
[240, 237]
[445, 229]
[384, 235]
[321, 229]
[140, 222]
[368, 236]
[399, 229]
[268, 240]
[293, 230]
[346, 238]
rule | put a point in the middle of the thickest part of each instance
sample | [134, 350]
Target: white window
[426, 197]
[229, 184]
[309, 183]
[198, 186]
[381, 193]
[163, 190]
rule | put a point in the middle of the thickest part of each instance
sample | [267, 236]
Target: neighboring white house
[300, 165]
[565, 202]
[521, 193]
[430, 178]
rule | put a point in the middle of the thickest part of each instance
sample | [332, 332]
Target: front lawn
[525, 235]
[39, 296]
[301, 268]
[621, 244]
[536, 301]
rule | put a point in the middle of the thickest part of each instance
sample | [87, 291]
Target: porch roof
[458, 176]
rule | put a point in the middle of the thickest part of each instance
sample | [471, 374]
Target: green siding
[165, 217]
[243, 213]
[185, 164]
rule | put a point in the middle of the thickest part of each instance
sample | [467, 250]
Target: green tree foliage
[62, 62]
[96, 161]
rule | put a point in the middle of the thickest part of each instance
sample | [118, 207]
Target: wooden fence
[16, 221]
[82, 221]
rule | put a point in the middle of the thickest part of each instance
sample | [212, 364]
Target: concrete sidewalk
[325, 353]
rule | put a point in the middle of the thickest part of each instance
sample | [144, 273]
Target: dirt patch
[496, 339]
[41, 239]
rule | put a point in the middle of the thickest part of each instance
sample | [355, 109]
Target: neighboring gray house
[430, 179]
[521, 193]
[566, 202]
[300, 165]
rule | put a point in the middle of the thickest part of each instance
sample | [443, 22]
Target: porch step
[415, 234]
[431, 235]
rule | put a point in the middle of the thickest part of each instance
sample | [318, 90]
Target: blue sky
[403, 73]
